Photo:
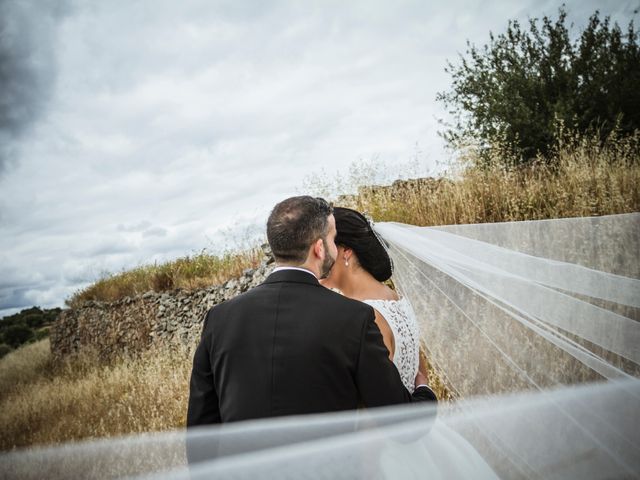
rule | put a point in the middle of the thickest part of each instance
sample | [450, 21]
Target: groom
[291, 346]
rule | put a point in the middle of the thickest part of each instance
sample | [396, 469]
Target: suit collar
[295, 276]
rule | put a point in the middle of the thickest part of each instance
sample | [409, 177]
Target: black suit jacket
[291, 346]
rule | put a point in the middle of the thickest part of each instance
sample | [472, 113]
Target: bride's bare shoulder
[377, 291]
[387, 293]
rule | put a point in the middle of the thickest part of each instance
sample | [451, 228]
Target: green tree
[52, 314]
[42, 333]
[17, 335]
[520, 86]
[4, 349]
[31, 310]
[34, 320]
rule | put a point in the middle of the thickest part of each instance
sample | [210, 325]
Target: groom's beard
[327, 263]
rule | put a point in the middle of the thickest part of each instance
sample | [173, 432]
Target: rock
[266, 250]
[248, 272]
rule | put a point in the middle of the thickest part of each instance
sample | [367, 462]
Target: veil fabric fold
[497, 315]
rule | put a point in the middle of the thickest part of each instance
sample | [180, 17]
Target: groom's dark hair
[294, 224]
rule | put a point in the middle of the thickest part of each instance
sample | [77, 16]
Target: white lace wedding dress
[443, 452]
[402, 321]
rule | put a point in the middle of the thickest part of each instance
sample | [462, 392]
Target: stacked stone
[135, 324]
[398, 191]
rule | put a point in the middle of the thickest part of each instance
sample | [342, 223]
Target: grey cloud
[13, 299]
[109, 246]
[155, 232]
[143, 227]
[79, 274]
[27, 68]
[134, 227]
[47, 295]
[22, 296]
[16, 275]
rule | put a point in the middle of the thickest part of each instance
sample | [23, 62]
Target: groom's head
[301, 231]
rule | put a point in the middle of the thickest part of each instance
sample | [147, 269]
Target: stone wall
[134, 324]
[398, 191]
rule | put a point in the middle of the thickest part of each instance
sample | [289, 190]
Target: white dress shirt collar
[285, 267]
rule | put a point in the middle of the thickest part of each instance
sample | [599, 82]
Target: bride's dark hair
[355, 232]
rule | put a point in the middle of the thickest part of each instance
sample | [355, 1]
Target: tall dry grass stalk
[189, 273]
[584, 177]
[82, 397]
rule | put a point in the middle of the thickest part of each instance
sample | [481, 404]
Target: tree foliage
[4, 349]
[29, 324]
[16, 335]
[34, 320]
[519, 87]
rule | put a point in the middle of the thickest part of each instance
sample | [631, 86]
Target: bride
[361, 267]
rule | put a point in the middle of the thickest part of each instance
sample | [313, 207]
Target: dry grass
[25, 366]
[189, 273]
[583, 178]
[81, 398]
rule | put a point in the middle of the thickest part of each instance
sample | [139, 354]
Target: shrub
[34, 320]
[4, 349]
[42, 333]
[17, 335]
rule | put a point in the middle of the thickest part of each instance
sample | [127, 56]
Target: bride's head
[359, 249]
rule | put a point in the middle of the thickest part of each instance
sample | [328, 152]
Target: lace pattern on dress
[400, 317]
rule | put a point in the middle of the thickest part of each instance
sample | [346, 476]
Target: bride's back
[361, 267]
[401, 319]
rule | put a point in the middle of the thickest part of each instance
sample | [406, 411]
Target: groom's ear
[318, 249]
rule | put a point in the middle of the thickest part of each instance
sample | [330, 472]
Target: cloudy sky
[140, 131]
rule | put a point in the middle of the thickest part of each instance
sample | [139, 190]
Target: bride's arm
[422, 378]
[387, 334]
[422, 362]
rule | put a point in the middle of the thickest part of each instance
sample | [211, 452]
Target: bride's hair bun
[356, 232]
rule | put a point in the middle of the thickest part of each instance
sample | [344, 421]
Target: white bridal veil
[534, 327]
